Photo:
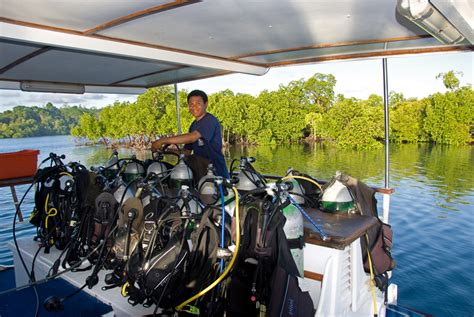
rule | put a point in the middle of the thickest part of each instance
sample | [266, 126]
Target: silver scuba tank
[337, 198]
[209, 192]
[112, 166]
[207, 188]
[181, 174]
[294, 230]
[298, 190]
[229, 202]
[121, 195]
[133, 170]
[157, 167]
[192, 206]
[66, 181]
[248, 179]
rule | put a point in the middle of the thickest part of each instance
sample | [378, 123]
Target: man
[204, 137]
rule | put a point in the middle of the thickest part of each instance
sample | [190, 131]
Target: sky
[413, 76]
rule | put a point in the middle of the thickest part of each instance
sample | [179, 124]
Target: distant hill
[22, 121]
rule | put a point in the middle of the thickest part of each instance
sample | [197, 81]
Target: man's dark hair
[199, 93]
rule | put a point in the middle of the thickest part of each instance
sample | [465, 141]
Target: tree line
[22, 121]
[302, 110]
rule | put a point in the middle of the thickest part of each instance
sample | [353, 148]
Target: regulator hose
[372, 283]
[221, 192]
[303, 178]
[323, 234]
[181, 306]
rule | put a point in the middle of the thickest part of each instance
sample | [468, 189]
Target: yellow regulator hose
[372, 283]
[229, 267]
[303, 178]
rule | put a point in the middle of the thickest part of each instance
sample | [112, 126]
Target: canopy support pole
[178, 116]
[386, 197]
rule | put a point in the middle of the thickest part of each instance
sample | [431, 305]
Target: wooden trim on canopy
[140, 14]
[109, 38]
[127, 49]
[106, 25]
[176, 50]
[374, 54]
[40, 26]
[325, 45]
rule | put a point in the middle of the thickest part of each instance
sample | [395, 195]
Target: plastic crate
[18, 164]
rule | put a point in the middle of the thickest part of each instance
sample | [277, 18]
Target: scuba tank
[181, 174]
[66, 182]
[336, 197]
[157, 167]
[119, 191]
[187, 203]
[294, 231]
[208, 192]
[132, 170]
[229, 202]
[112, 166]
[248, 177]
[298, 190]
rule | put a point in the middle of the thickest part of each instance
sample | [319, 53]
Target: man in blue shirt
[204, 138]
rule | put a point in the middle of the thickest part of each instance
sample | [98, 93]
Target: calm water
[431, 213]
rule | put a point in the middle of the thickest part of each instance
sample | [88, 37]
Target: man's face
[197, 107]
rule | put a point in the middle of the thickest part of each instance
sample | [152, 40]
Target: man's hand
[185, 138]
[157, 145]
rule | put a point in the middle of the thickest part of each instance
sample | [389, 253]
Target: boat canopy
[79, 46]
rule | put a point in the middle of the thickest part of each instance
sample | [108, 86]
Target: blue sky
[413, 76]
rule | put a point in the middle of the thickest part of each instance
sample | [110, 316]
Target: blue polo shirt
[210, 144]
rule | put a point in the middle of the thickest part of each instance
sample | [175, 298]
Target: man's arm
[185, 138]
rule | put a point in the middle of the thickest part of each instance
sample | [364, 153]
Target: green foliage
[450, 116]
[24, 121]
[395, 98]
[319, 91]
[354, 123]
[314, 121]
[450, 79]
[299, 109]
[406, 122]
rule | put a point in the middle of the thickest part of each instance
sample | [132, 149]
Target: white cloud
[11, 98]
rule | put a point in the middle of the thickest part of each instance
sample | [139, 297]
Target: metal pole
[386, 125]
[386, 198]
[177, 107]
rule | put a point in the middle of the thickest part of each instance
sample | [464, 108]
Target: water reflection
[431, 211]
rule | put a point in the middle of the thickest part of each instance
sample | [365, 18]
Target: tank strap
[297, 243]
